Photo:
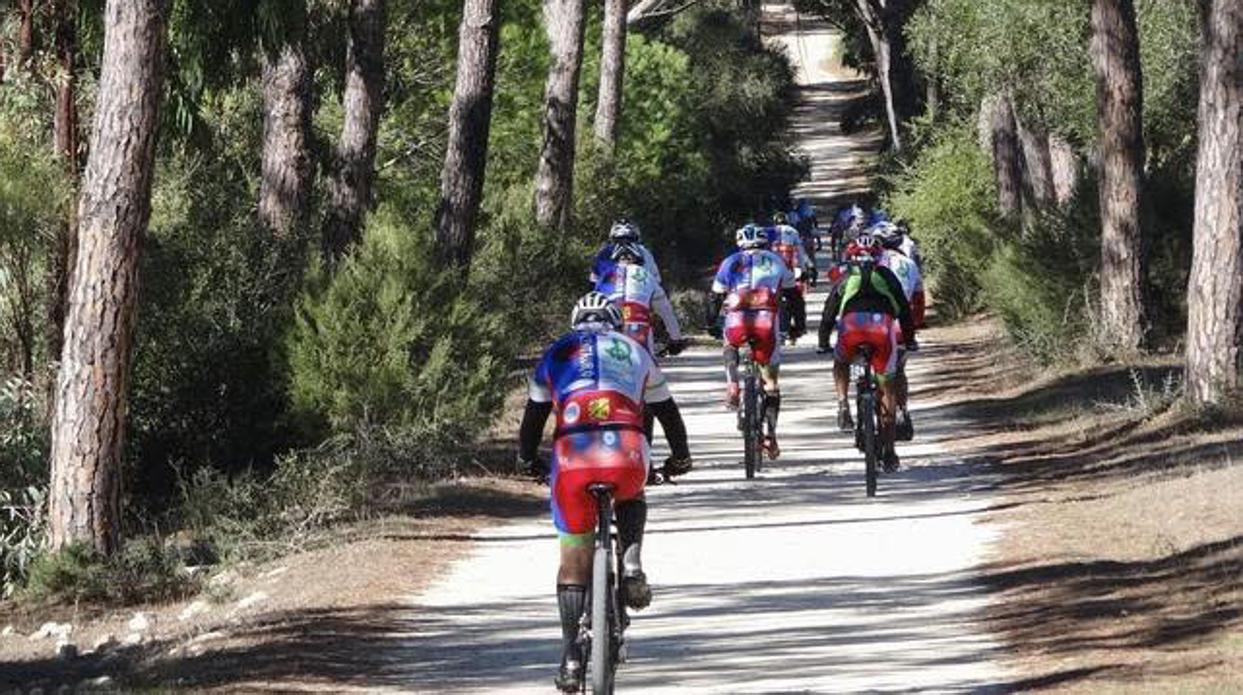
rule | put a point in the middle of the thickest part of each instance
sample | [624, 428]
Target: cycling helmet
[751, 237]
[780, 218]
[858, 218]
[595, 307]
[888, 235]
[624, 230]
[628, 251]
[864, 248]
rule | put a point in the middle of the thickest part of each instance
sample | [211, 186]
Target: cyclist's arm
[532, 429]
[715, 302]
[828, 319]
[674, 427]
[663, 307]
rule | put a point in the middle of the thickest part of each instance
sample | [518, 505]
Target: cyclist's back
[637, 292]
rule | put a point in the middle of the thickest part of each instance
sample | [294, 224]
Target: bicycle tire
[750, 418]
[601, 624]
[867, 417]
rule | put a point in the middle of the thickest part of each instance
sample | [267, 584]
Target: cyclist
[635, 291]
[864, 308]
[750, 284]
[599, 382]
[908, 273]
[787, 243]
[623, 230]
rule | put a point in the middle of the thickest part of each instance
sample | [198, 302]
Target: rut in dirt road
[794, 582]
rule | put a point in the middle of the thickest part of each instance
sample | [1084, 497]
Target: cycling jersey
[603, 262]
[910, 249]
[752, 280]
[906, 271]
[636, 291]
[789, 245]
[871, 290]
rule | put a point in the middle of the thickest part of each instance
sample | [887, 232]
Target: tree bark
[350, 187]
[874, 20]
[285, 183]
[1037, 166]
[1004, 141]
[470, 118]
[1119, 106]
[65, 136]
[612, 73]
[1215, 289]
[92, 390]
[564, 21]
[25, 32]
[1065, 167]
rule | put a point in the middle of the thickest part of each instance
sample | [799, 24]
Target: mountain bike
[867, 424]
[750, 422]
[603, 625]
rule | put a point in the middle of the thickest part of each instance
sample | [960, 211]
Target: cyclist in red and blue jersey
[599, 382]
[868, 307]
[637, 292]
[623, 231]
[751, 285]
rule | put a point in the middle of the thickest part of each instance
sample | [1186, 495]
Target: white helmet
[751, 237]
[624, 230]
[595, 307]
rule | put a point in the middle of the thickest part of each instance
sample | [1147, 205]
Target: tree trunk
[285, 184]
[612, 73]
[25, 32]
[1004, 141]
[65, 136]
[92, 389]
[1037, 166]
[350, 187]
[554, 181]
[470, 118]
[882, 50]
[1119, 104]
[1065, 167]
[1215, 290]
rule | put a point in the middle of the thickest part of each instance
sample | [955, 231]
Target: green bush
[144, 570]
[948, 196]
[391, 340]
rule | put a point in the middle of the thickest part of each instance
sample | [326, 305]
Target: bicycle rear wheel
[867, 419]
[601, 624]
[750, 429]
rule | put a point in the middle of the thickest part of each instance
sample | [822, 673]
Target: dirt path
[791, 583]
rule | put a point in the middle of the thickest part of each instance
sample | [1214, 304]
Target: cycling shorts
[617, 456]
[759, 329]
[878, 331]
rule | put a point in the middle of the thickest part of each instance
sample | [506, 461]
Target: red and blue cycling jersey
[752, 280]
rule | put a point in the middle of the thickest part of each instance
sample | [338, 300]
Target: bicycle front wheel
[751, 426]
[601, 624]
[867, 419]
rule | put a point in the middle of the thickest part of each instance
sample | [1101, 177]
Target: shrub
[948, 197]
[143, 570]
[23, 534]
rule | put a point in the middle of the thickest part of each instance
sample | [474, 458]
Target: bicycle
[750, 422]
[867, 423]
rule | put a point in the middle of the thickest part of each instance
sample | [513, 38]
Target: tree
[287, 168]
[65, 137]
[1001, 138]
[470, 117]
[612, 73]
[1215, 289]
[25, 32]
[1119, 110]
[354, 169]
[564, 21]
[88, 427]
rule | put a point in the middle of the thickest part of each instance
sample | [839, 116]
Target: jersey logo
[619, 351]
[599, 409]
[571, 414]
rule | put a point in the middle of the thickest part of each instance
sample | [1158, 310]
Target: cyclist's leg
[843, 354]
[574, 572]
[884, 339]
[735, 337]
[767, 350]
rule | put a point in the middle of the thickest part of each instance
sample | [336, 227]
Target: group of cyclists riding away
[603, 385]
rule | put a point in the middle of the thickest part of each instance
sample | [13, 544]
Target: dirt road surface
[794, 582]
